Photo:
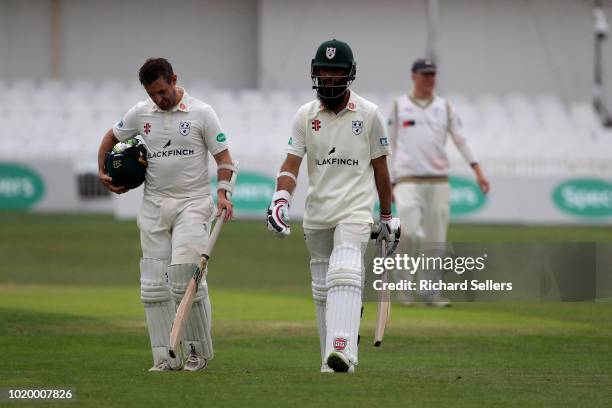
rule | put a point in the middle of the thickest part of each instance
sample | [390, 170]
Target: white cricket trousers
[423, 209]
[175, 229]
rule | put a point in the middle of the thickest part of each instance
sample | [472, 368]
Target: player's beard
[333, 102]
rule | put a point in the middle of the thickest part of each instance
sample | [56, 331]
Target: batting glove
[278, 214]
[388, 229]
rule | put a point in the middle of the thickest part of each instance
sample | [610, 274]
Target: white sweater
[418, 133]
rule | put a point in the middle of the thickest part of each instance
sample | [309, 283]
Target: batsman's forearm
[224, 157]
[383, 183]
[106, 145]
[384, 196]
[291, 165]
[285, 183]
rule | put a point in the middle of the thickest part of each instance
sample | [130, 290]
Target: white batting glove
[390, 230]
[278, 214]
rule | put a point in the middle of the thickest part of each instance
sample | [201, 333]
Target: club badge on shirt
[316, 125]
[357, 126]
[184, 128]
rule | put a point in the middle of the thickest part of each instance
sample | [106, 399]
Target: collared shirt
[339, 149]
[418, 134]
[177, 142]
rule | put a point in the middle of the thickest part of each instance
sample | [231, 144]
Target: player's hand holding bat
[389, 230]
[225, 208]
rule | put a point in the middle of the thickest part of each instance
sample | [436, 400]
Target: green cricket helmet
[127, 163]
[336, 54]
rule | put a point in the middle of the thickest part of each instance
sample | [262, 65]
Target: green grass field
[70, 317]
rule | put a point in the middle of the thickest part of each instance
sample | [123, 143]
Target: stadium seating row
[510, 134]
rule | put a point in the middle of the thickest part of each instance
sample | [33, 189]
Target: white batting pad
[343, 312]
[159, 308]
[318, 270]
[197, 336]
[345, 266]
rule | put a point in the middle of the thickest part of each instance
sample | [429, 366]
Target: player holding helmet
[177, 208]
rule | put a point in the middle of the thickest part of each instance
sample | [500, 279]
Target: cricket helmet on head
[335, 54]
[126, 164]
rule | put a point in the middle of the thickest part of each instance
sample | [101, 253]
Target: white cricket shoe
[339, 362]
[195, 362]
[325, 368]
[163, 365]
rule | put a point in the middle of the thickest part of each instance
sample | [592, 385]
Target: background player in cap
[179, 131]
[345, 141]
[418, 129]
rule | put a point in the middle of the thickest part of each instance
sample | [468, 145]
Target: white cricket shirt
[339, 149]
[178, 142]
[418, 137]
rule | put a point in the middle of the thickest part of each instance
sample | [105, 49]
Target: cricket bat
[184, 308]
[384, 303]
